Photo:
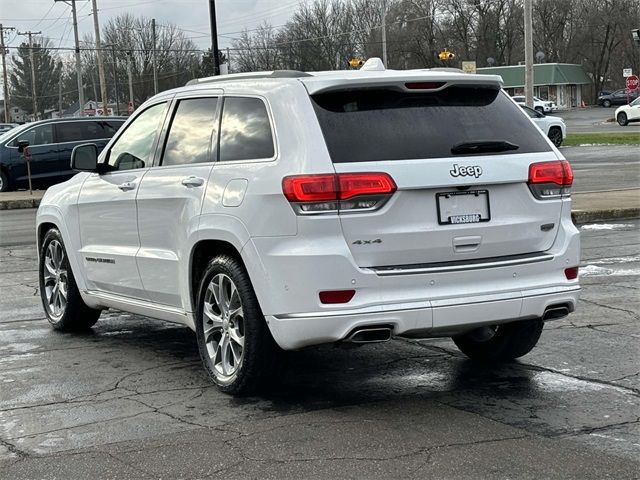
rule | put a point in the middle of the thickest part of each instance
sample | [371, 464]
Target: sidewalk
[21, 199]
[587, 206]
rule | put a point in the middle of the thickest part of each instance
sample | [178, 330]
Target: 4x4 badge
[462, 171]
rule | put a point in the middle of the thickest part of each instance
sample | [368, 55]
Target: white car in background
[542, 106]
[628, 113]
[552, 127]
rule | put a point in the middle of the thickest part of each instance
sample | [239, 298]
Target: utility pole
[103, 81]
[384, 33]
[228, 60]
[33, 71]
[4, 72]
[130, 78]
[60, 90]
[115, 77]
[78, 59]
[528, 53]
[153, 57]
[214, 37]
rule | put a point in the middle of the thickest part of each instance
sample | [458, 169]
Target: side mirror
[85, 158]
[22, 144]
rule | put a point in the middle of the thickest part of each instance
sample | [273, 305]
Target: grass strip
[604, 138]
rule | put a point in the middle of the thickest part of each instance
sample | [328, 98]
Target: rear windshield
[371, 125]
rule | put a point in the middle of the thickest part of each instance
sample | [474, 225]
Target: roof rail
[250, 76]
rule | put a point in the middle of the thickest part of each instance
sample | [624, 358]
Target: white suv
[287, 209]
[539, 105]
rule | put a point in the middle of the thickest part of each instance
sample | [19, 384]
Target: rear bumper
[420, 319]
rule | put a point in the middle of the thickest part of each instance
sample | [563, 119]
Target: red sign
[130, 108]
[632, 82]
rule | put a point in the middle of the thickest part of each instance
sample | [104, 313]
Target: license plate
[464, 206]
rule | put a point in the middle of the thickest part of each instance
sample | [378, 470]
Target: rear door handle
[126, 186]
[193, 181]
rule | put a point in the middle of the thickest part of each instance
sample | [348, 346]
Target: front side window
[245, 132]
[40, 135]
[86, 130]
[134, 148]
[191, 132]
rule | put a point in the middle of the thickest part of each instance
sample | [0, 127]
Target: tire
[4, 182]
[622, 119]
[68, 314]
[606, 103]
[555, 135]
[502, 342]
[237, 349]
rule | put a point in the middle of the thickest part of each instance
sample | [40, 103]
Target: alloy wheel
[223, 326]
[555, 135]
[622, 119]
[55, 279]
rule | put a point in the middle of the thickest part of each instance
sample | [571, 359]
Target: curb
[588, 216]
[17, 204]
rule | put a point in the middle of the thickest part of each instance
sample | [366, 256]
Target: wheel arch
[200, 255]
[50, 216]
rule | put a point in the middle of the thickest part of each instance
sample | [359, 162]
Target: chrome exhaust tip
[555, 312]
[369, 335]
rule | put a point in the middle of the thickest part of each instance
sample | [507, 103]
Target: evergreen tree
[47, 74]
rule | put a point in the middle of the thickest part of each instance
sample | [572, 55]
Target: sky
[54, 18]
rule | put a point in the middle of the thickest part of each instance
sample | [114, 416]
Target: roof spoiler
[316, 85]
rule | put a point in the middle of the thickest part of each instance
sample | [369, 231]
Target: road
[605, 167]
[17, 227]
[593, 120]
[131, 400]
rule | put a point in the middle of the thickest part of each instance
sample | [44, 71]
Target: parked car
[552, 127]
[286, 209]
[50, 144]
[628, 113]
[619, 97]
[5, 127]
[542, 106]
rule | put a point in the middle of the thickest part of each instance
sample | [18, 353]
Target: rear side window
[374, 125]
[191, 132]
[87, 130]
[245, 132]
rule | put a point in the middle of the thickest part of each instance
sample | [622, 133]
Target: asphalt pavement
[131, 400]
[594, 120]
[600, 168]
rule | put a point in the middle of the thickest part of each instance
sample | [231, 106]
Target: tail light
[550, 179]
[571, 273]
[329, 193]
[336, 296]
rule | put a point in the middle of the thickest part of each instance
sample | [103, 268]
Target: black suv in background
[50, 144]
[619, 97]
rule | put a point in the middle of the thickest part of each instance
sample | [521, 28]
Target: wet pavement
[131, 400]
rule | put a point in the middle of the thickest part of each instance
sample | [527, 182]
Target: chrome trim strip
[358, 311]
[457, 268]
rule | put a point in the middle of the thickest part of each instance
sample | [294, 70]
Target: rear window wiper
[483, 147]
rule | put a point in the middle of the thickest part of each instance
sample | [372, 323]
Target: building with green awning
[561, 83]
